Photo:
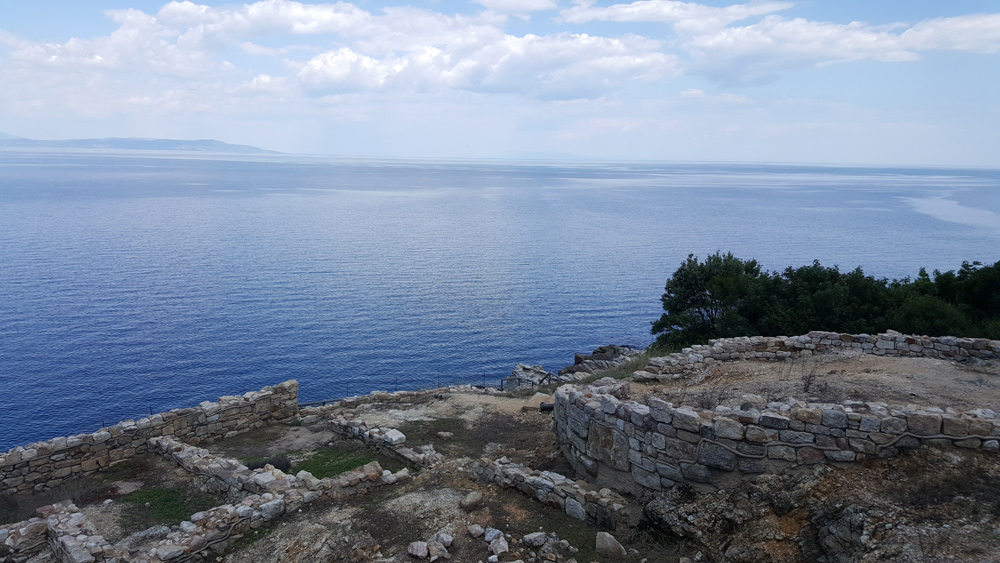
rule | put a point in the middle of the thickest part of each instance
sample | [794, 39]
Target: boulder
[606, 544]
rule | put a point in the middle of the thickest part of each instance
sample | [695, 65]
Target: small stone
[492, 534]
[475, 530]
[606, 544]
[444, 538]
[418, 549]
[471, 500]
[499, 546]
[436, 549]
[535, 539]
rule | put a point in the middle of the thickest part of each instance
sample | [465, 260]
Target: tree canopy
[725, 296]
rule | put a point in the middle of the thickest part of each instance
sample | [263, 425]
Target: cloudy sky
[837, 81]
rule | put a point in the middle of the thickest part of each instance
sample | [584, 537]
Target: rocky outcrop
[527, 376]
[603, 358]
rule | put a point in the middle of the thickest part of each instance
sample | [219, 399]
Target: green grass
[327, 462]
[165, 506]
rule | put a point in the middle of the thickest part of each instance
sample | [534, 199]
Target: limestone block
[660, 410]
[728, 428]
[924, 424]
[894, 425]
[758, 434]
[686, 419]
[955, 426]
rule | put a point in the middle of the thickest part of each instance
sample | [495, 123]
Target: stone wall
[698, 357]
[44, 465]
[386, 441]
[267, 493]
[634, 446]
[601, 507]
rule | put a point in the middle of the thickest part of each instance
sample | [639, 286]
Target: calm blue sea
[139, 282]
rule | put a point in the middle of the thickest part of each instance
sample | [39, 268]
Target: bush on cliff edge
[725, 296]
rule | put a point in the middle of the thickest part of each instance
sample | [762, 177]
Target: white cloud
[972, 34]
[518, 6]
[685, 15]
[562, 65]
[760, 51]
[693, 93]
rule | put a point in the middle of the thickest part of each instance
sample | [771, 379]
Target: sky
[892, 82]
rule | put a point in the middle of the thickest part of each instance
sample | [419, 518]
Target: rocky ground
[927, 505]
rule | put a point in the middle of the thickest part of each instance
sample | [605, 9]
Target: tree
[703, 299]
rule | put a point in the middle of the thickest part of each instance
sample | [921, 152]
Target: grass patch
[327, 462]
[163, 506]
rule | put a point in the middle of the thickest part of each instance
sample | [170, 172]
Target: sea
[133, 283]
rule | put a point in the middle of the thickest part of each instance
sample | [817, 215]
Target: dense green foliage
[725, 296]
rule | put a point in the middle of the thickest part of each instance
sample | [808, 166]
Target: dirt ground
[840, 376]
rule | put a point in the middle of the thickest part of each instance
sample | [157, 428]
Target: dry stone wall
[266, 493]
[654, 445]
[602, 507]
[698, 357]
[43, 465]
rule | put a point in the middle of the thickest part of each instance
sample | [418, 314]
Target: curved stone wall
[655, 445]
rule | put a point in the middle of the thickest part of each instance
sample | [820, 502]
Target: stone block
[870, 423]
[660, 410]
[608, 446]
[758, 434]
[809, 416]
[834, 418]
[809, 456]
[840, 455]
[648, 479]
[686, 419]
[955, 426]
[923, 424]
[786, 453]
[713, 455]
[893, 425]
[793, 437]
[679, 449]
[728, 428]
[696, 472]
[773, 420]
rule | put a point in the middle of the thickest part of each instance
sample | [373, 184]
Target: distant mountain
[202, 145]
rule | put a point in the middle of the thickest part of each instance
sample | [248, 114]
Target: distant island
[131, 143]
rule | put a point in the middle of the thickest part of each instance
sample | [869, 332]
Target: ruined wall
[44, 465]
[601, 507]
[698, 357]
[634, 446]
